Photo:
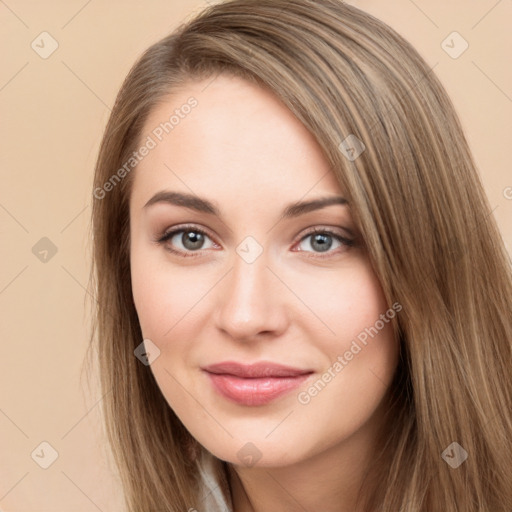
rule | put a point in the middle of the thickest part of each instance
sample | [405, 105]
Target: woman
[303, 300]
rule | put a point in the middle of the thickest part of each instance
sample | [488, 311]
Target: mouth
[254, 384]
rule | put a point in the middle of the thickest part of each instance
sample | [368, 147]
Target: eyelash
[192, 254]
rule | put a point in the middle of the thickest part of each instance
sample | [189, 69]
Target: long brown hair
[416, 197]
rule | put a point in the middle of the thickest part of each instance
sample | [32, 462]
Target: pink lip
[255, 384]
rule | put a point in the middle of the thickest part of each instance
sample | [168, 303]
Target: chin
[256, 453]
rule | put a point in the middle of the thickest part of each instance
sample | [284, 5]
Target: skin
[245, 152]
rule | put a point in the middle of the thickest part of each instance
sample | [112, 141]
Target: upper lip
[255, 370]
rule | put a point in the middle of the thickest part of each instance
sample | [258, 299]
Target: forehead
[228, 137]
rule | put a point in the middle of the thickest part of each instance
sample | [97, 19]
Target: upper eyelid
[174, 230]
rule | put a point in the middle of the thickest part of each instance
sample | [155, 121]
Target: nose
[251, 301]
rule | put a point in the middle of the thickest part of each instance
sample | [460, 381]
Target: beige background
[53, 113]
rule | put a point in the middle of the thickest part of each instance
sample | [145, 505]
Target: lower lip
[259, 391]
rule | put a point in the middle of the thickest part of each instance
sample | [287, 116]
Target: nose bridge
[249, 303]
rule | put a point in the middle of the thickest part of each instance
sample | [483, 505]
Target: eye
[321, 241]
[187, 239]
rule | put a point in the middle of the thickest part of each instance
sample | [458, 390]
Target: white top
[215, 494]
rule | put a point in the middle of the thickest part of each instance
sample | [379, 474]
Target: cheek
[362, 352]
[359, 363]
[149, 294]
[163, 298]
[346, 302]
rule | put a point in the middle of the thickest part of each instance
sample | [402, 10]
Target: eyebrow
[199, 204]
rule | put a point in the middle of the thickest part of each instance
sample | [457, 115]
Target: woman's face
[244, 280]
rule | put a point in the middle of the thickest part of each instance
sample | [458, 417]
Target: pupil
[324, 245]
